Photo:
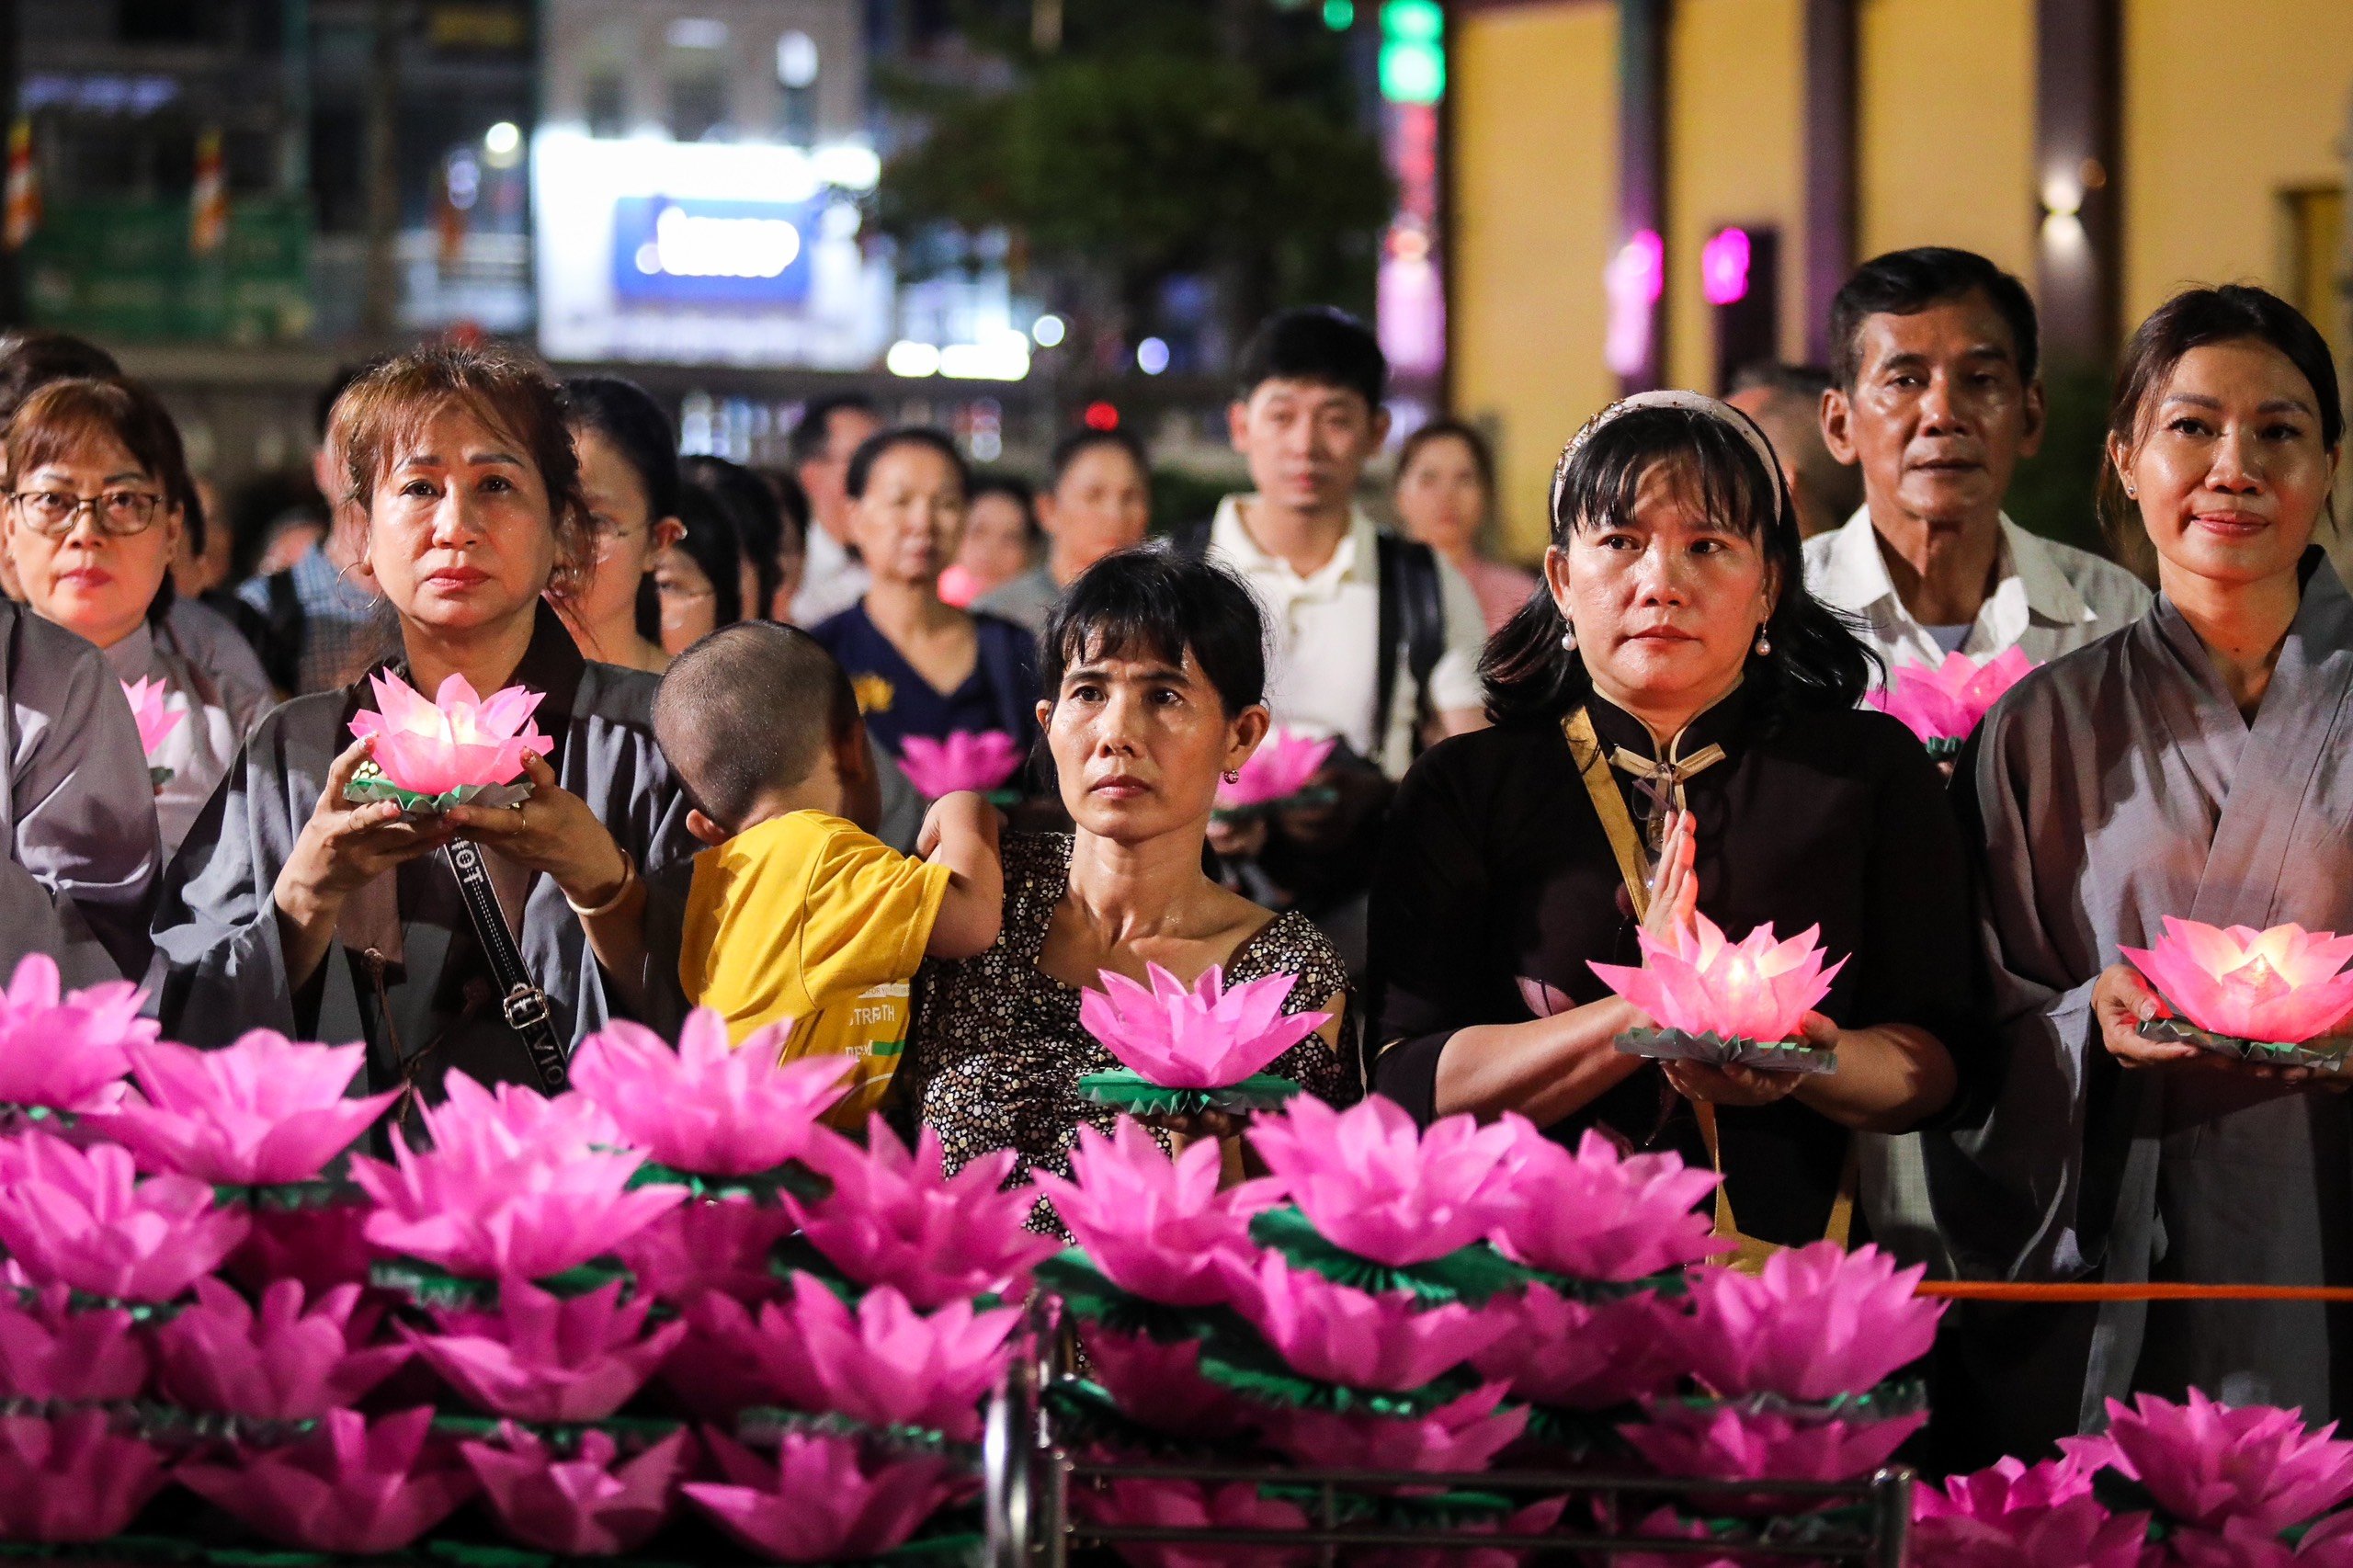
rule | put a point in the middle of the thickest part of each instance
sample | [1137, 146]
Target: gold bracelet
[628, 880]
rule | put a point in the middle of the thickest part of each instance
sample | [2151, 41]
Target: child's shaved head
[748, 710]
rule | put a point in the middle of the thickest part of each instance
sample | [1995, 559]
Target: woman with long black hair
[1676, 732]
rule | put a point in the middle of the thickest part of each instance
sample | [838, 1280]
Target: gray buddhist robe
[212, 680]
[2115, 787]
[435, 1009]
[76, 811]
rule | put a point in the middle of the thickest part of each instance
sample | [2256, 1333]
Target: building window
[796, 80]
[696, 72]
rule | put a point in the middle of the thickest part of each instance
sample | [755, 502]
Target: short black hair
[1080, 442]
[711, 541]
[807, 441]
[1906, 282]
[1805, 383]
[882, 442]
[749, 708]
[1014, 489]
[1154, 601]
[752, 511]
[791, 502]
[2192, 319]
[1316, 344]
[31, 358]
[625, 414]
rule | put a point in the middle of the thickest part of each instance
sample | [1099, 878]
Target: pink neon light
[1724, 268]
[1632, 280]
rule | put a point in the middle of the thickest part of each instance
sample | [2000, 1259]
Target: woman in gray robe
[79, 876]
[2196, 764]
[290, 907]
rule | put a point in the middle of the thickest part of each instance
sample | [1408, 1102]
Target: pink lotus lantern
[263, 1110]
[1155, 1227]
[887, 1365]
[156, 721]
[1162, 1386]
[962, 760]
[1575, 1355]
[71, 1478]
[895, 1217]
[511, 1187]
[1373, 1183]
[708, 1108]
[1597, 1214]
[50, 1352]
[80, 1218]
[818, 1502]
[65, 1052]
[2243, 989]
[2012, 1515]
[1191, 1505]
[1210, 1043]
[1942, 703]
[734, 1357]
[704, 1245]
[541, 1358]
[1732, 1443]
[587, 1506]
[1721, 1002]
[1816, 1323]
[2207, 1464]
[457, 749]
[1343, 1336]
[321, 1245]
[1280, 770]
[280, 1364]
[355, 1487]
[1536, 1518]
[1464, 1434]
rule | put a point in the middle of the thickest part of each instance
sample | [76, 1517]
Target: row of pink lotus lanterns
[200, 1305]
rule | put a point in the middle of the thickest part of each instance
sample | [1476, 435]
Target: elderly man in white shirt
[831, 577]
[1936, 398]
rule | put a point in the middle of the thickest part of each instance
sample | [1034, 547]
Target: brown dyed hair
[386, 410]
[63, 418]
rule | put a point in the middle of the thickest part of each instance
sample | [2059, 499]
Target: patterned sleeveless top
[996, 1050]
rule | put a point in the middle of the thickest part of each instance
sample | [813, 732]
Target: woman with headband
[1675, 734]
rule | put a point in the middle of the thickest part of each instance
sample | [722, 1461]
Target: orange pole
[1991, 1291]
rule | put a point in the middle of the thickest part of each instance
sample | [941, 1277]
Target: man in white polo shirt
[1935, 396]
[1375, 640]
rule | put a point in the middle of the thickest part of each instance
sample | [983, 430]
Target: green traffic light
[1340, 14]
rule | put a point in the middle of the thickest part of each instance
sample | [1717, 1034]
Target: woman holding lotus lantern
[436, 886]
[1677, 755]
[2190, 767]
[1155, 669]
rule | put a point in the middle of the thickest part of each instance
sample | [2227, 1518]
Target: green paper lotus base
[2258, 1053]
[1715, 1051]
[369, 785]
[1136, 1095]
[1891, 1401]
[1944, 748]
[1313, 796]
[1471, 1274]
[631, 1434]
[290, 1197]
[1089, 1297]
[761, 1187]
[427, 1286]
[764, 1426]
[1252, 1369]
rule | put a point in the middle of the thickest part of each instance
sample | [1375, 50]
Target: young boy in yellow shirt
[797, 911]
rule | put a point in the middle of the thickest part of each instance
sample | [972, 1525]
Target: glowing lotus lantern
[155, 722]
[457, 749]
[963, 760]
[262, 1111]
[1942, 703]
[707, 1107]
[1277, 772]
[1188, 1048]
[66, 1050]
[1721, 1002]
[2257, 995]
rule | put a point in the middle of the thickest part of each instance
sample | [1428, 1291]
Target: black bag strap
[1411, 623]
[282, 632]
[523, 1005]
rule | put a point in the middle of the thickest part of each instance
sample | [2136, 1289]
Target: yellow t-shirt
[809, 917]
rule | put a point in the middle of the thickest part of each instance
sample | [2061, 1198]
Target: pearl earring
[1764, 645]
[1569, 641]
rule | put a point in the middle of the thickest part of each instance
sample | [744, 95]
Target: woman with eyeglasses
[629, 472]
[101, 495]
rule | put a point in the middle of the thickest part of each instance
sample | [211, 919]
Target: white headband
[1689, 402]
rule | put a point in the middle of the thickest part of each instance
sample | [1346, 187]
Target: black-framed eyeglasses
[117, 513]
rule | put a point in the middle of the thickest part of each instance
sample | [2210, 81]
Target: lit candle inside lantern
[2280, 986]
[1697, 981]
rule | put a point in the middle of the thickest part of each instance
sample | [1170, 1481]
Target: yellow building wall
[1535, 198]
[2218, 121]
[1945, 126]
[1735, 143]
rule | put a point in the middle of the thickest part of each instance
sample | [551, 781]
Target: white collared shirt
[2047, 598]
[831, 581]
[1326, 631]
